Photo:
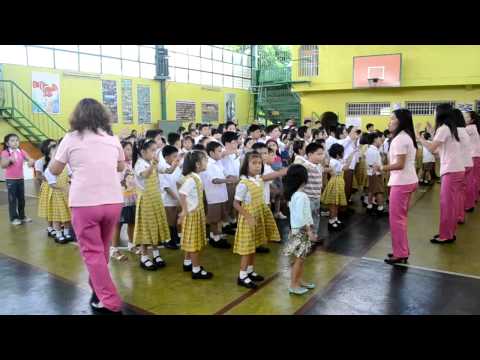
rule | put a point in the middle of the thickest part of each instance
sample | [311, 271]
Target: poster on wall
[185, 111]
[465, 107]
[353, 121]
[209, 112]
[143, 104]
[109, 95]
[230, 107]
[46, 92]
[127, 102]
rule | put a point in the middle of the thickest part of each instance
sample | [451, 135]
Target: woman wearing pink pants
[95, 156]
[452, 171]
[403, 181]
[473, 129]
[466, 202]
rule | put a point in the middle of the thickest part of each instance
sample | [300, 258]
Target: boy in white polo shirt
[214, 182]
[169, 184]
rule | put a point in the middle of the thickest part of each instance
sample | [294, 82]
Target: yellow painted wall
[429, 73]
[422, 65]
[190, 92]
[74, 88]
[335, 101]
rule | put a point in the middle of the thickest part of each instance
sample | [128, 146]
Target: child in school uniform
[314, 157]
[302, 229]
[12, 159]
[428, 161]
[127, 216]
[231, 169]
[192, 217]
[58, 211]
[216, 194]
[169, 184]
[254, 226]
[376, 188]
[40, 167]
[334, 194]
[151, 227]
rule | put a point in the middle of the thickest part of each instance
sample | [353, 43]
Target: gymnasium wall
[429, 72]
[75, 88]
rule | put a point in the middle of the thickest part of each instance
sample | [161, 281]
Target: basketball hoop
[373, 82]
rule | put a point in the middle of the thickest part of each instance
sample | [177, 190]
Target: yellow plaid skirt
[271, 230]
[151, 227]
[57, 208]
[43, 200]
[194, 235]
[361, 176]
[334, 193]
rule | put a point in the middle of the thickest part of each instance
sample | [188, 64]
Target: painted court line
[428, 269]
[140, 311]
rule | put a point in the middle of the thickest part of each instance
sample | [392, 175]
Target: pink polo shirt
[93, 159]
[474, 139]
[402, 144]
[450, 151]
[15, 170]
[466, 145]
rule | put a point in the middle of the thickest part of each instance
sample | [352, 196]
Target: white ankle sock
[66, 231]
[58, 233]
[144, 258]
[249, 269]
[49, 229]
[244, 277]
[369, 206]
[380, 208]
[215, 237]
[156, 253]
[187, 262]
[196, 269]
[331, 221]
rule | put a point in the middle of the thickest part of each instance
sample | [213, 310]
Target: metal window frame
[366, 108]
[429, 104]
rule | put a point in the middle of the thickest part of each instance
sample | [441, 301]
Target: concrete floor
[39, 276]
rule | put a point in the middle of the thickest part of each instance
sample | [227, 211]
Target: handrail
[35, 103]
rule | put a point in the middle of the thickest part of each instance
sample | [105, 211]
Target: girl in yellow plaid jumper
[58, 211]
[254, 227]
[151, 226]
[334, 194]
[192, 217]
[40, 167]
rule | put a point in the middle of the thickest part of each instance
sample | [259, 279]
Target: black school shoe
[262, 250]
[144, 265]
[248, 285]
[200, 276]
[255, 277]
[470, 210]
[159, 262]
[220, 244]
[229, 230]
[187, 268]
[334, 227]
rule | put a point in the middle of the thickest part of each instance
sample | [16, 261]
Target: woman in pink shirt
[12, 159]
[95, 157]
[467, 201]
[452, 171]
[403, 181]
[473, 129]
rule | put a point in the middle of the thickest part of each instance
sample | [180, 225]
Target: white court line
[427, 269]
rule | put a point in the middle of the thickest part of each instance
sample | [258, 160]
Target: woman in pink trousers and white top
[468, 187]
[452, 171]
[95, 157]
[473, 129]
[403, 181]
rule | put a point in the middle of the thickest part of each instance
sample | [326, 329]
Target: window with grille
[308, 56]
[425, 107]
[354, 109]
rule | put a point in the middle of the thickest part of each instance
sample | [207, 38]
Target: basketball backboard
[377, 71]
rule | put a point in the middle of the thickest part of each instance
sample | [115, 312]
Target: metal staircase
[274, 99]
[16, 108]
